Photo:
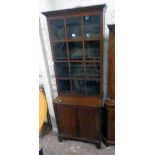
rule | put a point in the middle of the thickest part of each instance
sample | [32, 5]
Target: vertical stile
[67, 53]
[101, 54]
[83, 53]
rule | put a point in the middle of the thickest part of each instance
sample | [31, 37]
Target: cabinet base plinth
[108, 142]
[97, 143]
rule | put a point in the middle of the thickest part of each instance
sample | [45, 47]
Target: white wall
[48, 5]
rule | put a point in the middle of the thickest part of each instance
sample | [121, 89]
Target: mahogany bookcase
[76, 37]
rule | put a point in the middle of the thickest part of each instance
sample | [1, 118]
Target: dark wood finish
[111, 65]
[109, 122]
[79, 120]
[78, 100]
[77, 9]
[67, 116]
[108, 125]
[89, 118]
[78, 116]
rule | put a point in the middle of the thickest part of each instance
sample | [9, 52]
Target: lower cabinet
[79, 122]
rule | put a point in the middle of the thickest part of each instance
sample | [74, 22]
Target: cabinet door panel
[78, 86]
[93, 87]
[89, 122]
[92, 50]
[73, 27]
[67, 119]
[75, 50]
[57, 29]
[91, 26]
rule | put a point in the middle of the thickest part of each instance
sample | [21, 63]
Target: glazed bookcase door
[92, 50]
[64, 86]
[78, 86]
[76, 49]
[57, 29]
[62, 69]
[73, 25]
[77, 70]
[92, 70]
[91, 27]
[60, 51]
[93, 87]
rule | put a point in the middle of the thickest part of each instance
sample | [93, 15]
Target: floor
[51, 146]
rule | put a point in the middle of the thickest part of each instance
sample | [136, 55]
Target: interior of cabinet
[76, 42]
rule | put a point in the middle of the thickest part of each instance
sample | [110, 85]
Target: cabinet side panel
[108, 124]
[111, 69]
[111, 124]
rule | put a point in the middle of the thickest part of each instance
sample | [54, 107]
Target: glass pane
[73, 27]
[62, 69]
[93, 70]
[92, 50]
[93, 88]
[64, 86]
[91, 26]
[60, 51]
[78, 86]
[57, 29]
[77, 69]
[75, 49]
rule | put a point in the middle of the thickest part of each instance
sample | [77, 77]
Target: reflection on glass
[62, 69]
[75, 49]
[93, 88]
[76, 69]
[93, 70]
[73, 27]
[78, 86]
[60, 51]
[57, 29]
[64, 86]
[91, 26]
[92, 50]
